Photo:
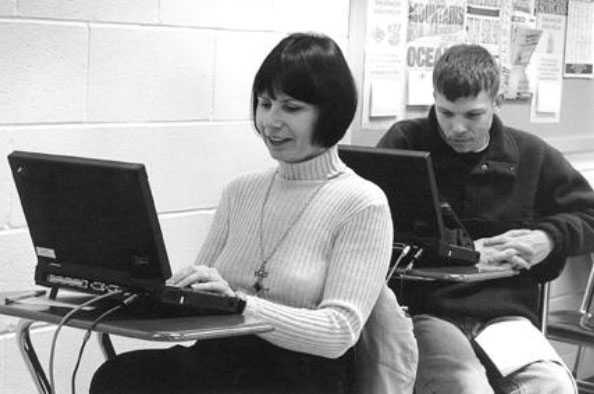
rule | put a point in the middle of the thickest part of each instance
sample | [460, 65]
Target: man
[523, 204]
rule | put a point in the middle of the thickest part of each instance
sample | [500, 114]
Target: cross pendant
[260, 274]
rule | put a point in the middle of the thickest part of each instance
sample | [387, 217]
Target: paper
[513, 343]
[420, 87]
[523, 43]
[488, 24]
[433, 26]
[548, 63]
[385, 63]
[548, 94]
[385, 97]
[579, 51]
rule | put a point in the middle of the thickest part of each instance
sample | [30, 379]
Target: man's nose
[458, 126]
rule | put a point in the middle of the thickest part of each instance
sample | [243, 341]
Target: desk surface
[167, 329]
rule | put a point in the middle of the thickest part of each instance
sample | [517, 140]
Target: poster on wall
[523, 44]
[547, 65]
[488, 24]
[385, 60]
[433, 26]
[579, 51]
[524, 37]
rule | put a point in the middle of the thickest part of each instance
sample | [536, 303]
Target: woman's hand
[201, 277]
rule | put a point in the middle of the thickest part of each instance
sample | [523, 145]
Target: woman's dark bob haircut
[311, 68]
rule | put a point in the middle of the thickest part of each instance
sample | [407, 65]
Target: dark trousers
[245, 364]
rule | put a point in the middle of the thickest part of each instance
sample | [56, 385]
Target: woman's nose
[273, 118]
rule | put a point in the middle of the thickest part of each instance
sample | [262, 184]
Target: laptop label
[45, 252]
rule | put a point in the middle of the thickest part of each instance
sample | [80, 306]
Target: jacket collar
[500, 157]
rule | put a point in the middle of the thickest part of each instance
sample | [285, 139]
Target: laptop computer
[408, 180]
[94, 229]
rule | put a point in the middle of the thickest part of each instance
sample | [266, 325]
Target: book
[514, 342]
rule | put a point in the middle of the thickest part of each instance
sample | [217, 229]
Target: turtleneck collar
[324, 166]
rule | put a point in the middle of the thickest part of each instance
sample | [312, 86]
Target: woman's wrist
[241, 301]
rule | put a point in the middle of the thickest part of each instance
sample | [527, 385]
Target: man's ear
[498, 102]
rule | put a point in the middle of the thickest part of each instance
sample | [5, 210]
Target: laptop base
[454, 274]
[199, 300]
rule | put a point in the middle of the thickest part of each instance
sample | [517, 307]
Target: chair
[576, 327]
[543, 305]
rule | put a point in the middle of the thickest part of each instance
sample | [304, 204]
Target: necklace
[261, 273]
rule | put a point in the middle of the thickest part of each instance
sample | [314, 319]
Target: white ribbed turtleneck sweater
[326, 274]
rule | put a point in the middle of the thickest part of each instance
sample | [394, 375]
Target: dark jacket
[519, 181]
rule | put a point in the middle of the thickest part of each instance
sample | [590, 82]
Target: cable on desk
[88, 335]
[405, 250]
[416, 255]
[64, 320]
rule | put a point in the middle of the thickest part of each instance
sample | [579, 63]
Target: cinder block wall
[163, 82]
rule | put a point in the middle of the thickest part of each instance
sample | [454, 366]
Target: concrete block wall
[162, 82]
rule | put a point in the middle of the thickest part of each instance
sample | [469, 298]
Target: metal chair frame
[575, 327]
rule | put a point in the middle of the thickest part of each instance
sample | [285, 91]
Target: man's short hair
[310, 67]
[465, 70]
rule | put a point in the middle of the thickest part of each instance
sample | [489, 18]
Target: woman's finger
[191, 274]
[220, 287]
[179, 275]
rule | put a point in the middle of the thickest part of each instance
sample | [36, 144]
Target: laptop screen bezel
[394, 170]
[141, 272]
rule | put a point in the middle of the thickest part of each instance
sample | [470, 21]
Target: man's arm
[565, 202]
[563, 216]
[519, 249]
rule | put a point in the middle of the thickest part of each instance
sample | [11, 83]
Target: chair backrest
[585, 308]
[586, 304]
[543, 301]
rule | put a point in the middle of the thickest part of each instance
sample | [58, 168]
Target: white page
[514, 343]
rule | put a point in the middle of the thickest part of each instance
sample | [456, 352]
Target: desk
[165, 330]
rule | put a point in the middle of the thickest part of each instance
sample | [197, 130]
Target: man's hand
[519, 249]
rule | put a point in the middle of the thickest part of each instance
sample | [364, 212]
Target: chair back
[576, 327]
[586, 304]
[587, 318]
[543, 305]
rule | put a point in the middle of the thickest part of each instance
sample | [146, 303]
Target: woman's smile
[277, 140]
[287, 126]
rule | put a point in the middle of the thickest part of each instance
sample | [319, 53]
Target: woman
[306, 244]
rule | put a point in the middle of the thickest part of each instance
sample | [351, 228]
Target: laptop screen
[92, 222]
[406, 177]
